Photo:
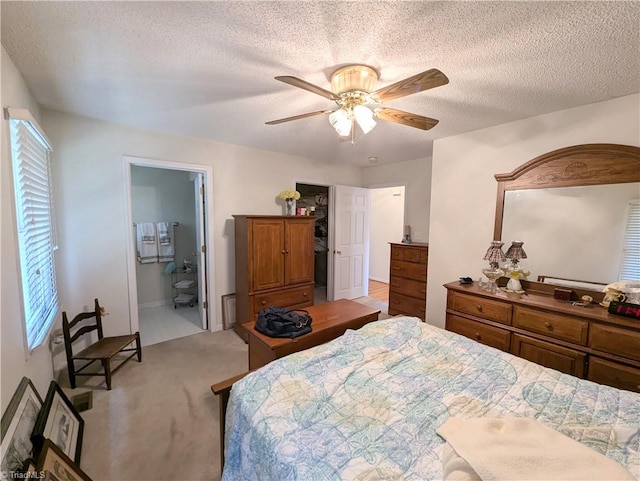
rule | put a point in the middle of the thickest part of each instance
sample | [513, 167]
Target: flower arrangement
[289, 195]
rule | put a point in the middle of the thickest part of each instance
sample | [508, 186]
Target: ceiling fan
[352, 89]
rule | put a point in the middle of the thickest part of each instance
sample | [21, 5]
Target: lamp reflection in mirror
[494, 255]
[514, 270]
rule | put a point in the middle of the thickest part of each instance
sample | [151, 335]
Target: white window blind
[630, 268]
[34, 215]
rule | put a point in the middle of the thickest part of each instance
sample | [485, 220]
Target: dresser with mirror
[569, 206]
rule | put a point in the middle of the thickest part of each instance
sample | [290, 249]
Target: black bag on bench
[280, 322]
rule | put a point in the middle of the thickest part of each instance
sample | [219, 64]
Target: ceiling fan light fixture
[341, 122]
[364, 117]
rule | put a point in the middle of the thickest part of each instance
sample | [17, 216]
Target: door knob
[339, 253]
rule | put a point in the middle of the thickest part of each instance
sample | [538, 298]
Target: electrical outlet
[56, 338]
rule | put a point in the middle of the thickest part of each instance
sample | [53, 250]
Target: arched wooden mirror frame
[578, 165]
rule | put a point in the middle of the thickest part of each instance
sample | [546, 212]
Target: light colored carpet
[160, 420]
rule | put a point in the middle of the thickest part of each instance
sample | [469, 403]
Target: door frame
[130, 161]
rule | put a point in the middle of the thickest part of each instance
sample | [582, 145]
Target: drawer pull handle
[548, 325]
[264, 302]
[478, 336]
[479, 307]
[283, 251]
[304, 294]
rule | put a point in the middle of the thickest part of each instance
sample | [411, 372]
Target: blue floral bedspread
[366, 406]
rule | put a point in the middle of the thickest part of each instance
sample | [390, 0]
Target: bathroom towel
[147, 251]
[148, 232]
[166, 249]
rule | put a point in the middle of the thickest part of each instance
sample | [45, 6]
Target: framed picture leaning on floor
[17, 425]
[57, 466]
[60, 422]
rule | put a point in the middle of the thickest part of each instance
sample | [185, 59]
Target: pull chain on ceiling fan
[352, 89]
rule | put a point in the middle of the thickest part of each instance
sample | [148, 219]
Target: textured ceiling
[207, 69]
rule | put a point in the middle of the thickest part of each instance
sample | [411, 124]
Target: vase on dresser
[289, 206]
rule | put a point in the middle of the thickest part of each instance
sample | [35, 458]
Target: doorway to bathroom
[168, 277]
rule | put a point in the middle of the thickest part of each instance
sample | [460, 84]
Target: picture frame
[228, 310]
[17, 424]
[29, 466]
[57, 466]
[60, 422]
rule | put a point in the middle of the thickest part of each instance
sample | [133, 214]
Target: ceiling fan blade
[296, 82]
[406, 118]
[297, 117]
[412, 85]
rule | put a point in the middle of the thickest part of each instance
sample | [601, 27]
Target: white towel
[147, 251]
[513, 448]
[166, 250]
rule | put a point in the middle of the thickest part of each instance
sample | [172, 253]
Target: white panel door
[351, 246]
[201, 256]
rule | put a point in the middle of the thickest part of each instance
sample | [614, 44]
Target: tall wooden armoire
[274, 264]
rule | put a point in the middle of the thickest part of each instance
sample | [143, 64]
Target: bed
[367, 406]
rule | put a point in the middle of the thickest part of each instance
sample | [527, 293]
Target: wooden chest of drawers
[585, 342]
[408, 279]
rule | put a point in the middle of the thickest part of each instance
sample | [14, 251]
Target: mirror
[569, 207]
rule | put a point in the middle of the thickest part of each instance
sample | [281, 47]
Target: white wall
[415, 175]
[387, 216]
[463, 195]
[15, 363]
[89, 172]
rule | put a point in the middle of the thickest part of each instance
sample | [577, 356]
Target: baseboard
[386, 281]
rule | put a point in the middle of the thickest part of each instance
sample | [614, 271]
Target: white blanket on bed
[513, 448]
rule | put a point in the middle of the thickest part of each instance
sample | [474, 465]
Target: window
[630, 268]
[34, 216]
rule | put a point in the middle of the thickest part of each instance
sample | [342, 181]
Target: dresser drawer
[298, 296]
[480, 307]
[409, 270]
[568, 361]
[409, 254]
[408, 287]
[616, 340]
[614, 374]
[553, 325]
[400, 304]
[488, 335]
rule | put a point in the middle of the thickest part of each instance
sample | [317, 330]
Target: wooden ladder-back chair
[104, 350]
